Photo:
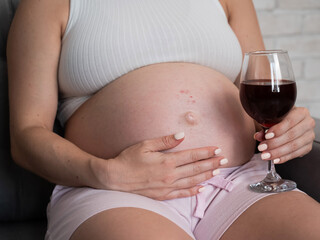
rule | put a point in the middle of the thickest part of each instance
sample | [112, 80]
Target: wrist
[99, 170]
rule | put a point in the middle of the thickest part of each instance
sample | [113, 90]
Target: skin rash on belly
[164, 99]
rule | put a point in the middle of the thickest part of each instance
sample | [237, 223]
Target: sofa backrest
[22, 194]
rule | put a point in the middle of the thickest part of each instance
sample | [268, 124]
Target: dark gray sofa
[24, 196]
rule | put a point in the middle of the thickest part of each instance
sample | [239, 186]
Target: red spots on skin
[187, 92]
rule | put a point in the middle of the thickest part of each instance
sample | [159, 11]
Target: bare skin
[110, 225]
[290, 215]
[202, 103]
[33, 55]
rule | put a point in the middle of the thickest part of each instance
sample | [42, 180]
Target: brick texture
[294, 25]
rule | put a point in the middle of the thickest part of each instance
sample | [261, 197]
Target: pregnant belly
[164, 99]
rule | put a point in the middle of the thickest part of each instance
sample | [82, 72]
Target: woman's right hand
[143, 169]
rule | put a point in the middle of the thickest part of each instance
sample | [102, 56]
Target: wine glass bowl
[267, 93]
[268, 107]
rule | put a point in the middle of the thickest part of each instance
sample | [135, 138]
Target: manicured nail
[179, 136]
[269, 135]
[277, 160]
[201, 189]
[265, 155]
[223, 161]
[215, 172]
[255, 135]
[262, 147]
[217, 151]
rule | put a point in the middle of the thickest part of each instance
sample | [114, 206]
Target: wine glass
[267, 93]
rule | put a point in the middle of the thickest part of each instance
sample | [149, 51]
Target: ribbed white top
[106, 39]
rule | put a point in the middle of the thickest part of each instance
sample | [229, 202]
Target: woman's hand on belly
[143, 169]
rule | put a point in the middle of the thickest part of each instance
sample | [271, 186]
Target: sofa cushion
[31, 230]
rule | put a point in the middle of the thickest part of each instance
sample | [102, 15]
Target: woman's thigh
[289, 215]
[129, 223]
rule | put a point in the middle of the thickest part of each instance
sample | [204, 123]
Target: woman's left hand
[290, 138]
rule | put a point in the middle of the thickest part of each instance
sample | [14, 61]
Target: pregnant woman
[156, 144]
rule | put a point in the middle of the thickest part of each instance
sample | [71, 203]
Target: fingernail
[179, 136]
[277, 160]
[262, 147]
[269, 135]
[265, 155]
[215, 172]
[223, 161]
[217, 151]
[201, 189]
[255, 135]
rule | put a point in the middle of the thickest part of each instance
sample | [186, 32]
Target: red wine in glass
[268, 92]
[266, 105]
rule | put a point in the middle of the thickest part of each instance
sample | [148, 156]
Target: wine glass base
[282, 185]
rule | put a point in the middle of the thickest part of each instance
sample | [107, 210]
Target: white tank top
[105, 39]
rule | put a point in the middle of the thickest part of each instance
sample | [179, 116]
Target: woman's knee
[289, 215]
[129, 223]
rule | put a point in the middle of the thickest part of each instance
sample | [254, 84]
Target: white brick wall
[294, 25]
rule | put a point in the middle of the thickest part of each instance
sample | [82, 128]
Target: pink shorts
[204, 216]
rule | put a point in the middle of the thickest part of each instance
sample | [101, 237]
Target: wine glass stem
[272, 175]
[271, 167]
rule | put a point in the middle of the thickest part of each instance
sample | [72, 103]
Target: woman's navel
[191, 118]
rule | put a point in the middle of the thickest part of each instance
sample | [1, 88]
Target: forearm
[54, 158]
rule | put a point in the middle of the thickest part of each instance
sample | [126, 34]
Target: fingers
[183, 181]
[184, 193]
[299, 153]
[193, 155]
[201, 164]
[289, 150]
[194, 166]
[291, 138]
[163, 143]
[167, 175]
[208, 165]
[192, 181]
[259, 136]
[182, 188]
[292, 134]
[295, 116]
[182, 157]
[186, 179]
